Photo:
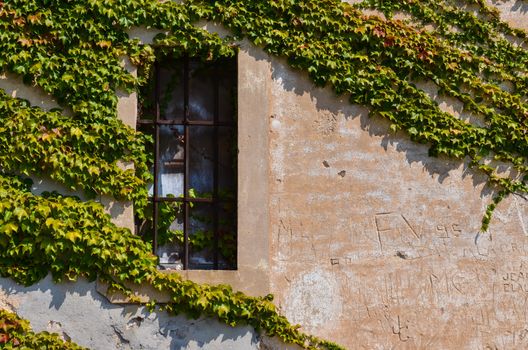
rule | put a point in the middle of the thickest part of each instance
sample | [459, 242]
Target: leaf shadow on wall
[325, 100]
[90, 320]
[520, 6]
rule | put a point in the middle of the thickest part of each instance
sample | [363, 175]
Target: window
[189, 108]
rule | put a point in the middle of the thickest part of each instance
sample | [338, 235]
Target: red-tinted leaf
[389, 41]
[379, 32]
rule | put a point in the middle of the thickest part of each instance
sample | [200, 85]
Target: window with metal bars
[189, 107]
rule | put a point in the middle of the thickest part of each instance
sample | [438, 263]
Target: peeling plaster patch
[8, 302]
[256, 80]
[357, 155]
[135, 322]
[407, 255]
[314, 299]
[122, 341]
[326, 124]
[518, 206]
[56, 327]
[379, 195]
[328, 146]
[330, 197]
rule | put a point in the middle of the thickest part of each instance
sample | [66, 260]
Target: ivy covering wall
[73, 50]
[16, 333]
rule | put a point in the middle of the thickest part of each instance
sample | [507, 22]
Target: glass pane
[146, 99]
[170, 235]
[227, 90]
[149, 130]
[201, 91]
[171, 90]
[144, 227]
[227, 161]
[201, 160]
[171, 156]
[227, 235]
[201, 236]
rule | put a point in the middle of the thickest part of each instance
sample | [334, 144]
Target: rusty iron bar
[185, 199]
[186, 178]
[216, 207]
[190, 122]
[156, 158]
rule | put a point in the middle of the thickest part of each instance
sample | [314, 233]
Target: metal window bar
[190, 123]
[156, 160]
[187, 122]
[215, 164]
[187, 142]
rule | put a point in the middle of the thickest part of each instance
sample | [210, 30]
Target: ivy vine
[70, 238]
[16, 333]
[378, 62]
[74, 50]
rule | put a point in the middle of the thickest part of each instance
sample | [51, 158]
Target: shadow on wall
[13, 85]
[77, 312]
[520, 6]
[326, 100]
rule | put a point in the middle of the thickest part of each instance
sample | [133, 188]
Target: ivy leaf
[9, 228]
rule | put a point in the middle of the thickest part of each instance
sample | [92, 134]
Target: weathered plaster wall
[77, 311]
[514, 12]
[376, 245]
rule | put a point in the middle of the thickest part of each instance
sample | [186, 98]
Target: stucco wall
[77, 311]
[376, 245]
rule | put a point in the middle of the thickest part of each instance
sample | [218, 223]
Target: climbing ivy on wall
[15, 333]
[378, 63]
[70, 238]
[74, 50]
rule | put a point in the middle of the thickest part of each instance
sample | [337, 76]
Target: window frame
[187, 121]
[254, 244]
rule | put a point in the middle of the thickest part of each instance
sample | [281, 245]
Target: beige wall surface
[375, 245]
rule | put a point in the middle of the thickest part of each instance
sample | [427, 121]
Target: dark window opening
[189, 108]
